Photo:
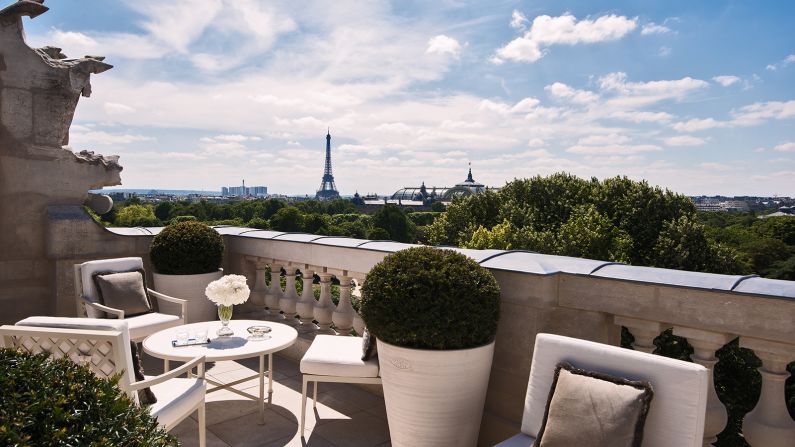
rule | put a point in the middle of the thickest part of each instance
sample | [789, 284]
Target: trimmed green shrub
[183, 219]
[187, 248]
[429, 298]
[58, 402]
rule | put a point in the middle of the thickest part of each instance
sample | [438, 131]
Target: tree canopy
[616, 219]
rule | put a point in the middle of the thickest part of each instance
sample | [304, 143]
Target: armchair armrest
[117, 313]
[170, 299]
[197, 362]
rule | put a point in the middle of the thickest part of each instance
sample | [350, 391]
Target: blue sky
[698, 97]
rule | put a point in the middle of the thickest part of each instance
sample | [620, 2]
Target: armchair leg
[314, 394]
[202, 429]
[303, 406]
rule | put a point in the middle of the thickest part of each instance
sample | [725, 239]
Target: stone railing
[540, 293]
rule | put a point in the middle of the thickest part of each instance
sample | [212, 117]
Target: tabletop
[238, 346]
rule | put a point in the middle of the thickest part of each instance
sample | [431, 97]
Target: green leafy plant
[46, 401]
[428, 298]
[187, 248]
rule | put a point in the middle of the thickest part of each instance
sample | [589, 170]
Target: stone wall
[39, 90]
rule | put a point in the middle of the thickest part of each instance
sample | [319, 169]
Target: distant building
[244, 191]
[720, 204]
[419, 195]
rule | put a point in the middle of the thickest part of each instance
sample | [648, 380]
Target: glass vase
[225, 314]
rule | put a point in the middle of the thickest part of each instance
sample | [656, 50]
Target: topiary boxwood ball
[57, 402]
[427, 298]
[187, 248]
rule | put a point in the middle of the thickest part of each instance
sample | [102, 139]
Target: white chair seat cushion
[143, 325]
[331, 355]
[520, 440]
[175, 398]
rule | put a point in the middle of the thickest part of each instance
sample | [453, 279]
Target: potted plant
[434, 314]
[187, 257]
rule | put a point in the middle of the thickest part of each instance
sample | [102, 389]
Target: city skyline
[692, 97]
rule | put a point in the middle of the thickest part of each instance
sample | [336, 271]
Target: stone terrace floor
[347, 415]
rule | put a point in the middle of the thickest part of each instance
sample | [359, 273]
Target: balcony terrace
[44, 231]
[581, 298]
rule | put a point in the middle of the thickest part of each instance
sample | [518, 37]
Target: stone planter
[434, 398]
[191, 288]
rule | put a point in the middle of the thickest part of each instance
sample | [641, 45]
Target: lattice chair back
[101, 344]
[84, 282]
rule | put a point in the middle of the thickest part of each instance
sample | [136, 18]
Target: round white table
[241, 345]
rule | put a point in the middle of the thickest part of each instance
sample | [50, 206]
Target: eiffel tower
[328, 190]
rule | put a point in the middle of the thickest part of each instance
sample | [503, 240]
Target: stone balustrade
[576, 297]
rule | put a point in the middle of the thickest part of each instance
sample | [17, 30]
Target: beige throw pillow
[125, 291]
[594, 409]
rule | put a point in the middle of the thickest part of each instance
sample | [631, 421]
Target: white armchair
[677, 412]
[140, 326]
[104, 346]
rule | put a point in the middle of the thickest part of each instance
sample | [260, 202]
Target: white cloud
[653, 28]
[603, 140]
[726, 80]
[562, 91]
[636, 116]
[785, 147]
[664, 51]
[84, 135]
[526, 105]
[695, 125]
[442, 44]
[644, 93]
[548, 31]
[518, 20]
[535, 142]
[112, 108]
[782, 63]
[613, 149]
[762, 111]
[712, 166]
[684, 140]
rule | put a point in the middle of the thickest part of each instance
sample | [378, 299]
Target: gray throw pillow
[145, 395]
[369, 346]
[594, 409]
[125, 291]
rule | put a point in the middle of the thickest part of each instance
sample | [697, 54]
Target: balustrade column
[769, 423]
[289, 300]
[644, 331]
[274, 294]
[260, 287]
[306, 304]
[325, 306]
[344, 313]
[704, 344]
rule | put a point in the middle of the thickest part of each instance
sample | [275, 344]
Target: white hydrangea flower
[228, 291]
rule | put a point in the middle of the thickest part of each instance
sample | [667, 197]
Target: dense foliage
[616, 219]
[187, 248]
[57, 402]
[766, 245]
[332, 218]
[429, 298]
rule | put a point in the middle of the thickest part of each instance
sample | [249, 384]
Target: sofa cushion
[87, 270]
[333, 355]
[123, 290]
[595, 409]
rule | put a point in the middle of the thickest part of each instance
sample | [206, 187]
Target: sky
[697, 97]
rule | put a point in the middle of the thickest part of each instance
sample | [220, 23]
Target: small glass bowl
[259, 332]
